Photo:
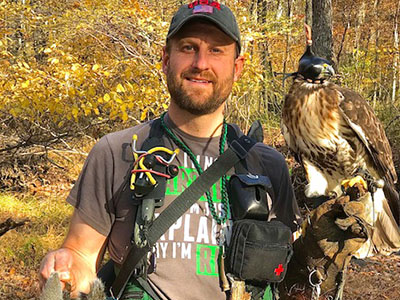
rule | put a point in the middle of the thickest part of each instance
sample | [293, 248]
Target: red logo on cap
[203, 9]
[204, 2]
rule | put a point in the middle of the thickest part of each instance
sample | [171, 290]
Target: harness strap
[236, 152]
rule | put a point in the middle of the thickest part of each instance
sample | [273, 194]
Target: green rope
[186, 149]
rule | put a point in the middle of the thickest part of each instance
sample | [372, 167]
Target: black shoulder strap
[255, 132]
[155, 136]
[236, 152]
[254, 135]
[233, 135]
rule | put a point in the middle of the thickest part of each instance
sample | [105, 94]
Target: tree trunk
[342, 44]
[396, 55]
[359, 21]
[288, 38]
[279, 10]
[266, 64]
[308, 12]
[377, 87]
[322, 29]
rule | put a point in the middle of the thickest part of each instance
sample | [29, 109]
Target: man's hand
[74, 272]
[76, 260]
[56, 261]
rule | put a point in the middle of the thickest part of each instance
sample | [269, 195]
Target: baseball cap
[208, 10]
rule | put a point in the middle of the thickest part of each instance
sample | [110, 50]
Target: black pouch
[259, 251]
[250, 196]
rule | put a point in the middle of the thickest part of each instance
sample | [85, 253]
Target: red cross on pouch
[279, 270]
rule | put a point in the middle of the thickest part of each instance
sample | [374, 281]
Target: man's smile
[198, 79]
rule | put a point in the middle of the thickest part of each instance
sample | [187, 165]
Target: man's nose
[201, 59]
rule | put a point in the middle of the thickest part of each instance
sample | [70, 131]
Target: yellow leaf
[71, 91]
[25, 65]
[106, 73]
[91, 91]
[75, 67]
[87, 111]
[96, 111]
[95, 67]
[129, 86]
[75, 112]
[25, 84]
[120, 88]
[5, 53]
[143, 115]
[25, 103]
[106, 97]
[128, 73]
[124, 116]
[47, 50]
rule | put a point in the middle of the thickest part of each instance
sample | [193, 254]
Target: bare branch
[11, 224]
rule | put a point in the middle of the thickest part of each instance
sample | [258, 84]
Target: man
[201, 60]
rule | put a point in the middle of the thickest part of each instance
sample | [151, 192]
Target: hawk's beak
[328, 71]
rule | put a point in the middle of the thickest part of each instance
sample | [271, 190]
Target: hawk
[335, 136]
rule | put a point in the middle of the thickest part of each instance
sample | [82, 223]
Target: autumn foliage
[84, 68]
[74, 70]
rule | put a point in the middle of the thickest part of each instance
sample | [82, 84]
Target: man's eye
[188, 48]
[216, 50]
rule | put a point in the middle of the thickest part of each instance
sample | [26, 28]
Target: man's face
[201, 66]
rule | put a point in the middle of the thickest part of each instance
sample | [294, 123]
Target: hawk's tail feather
[386, 234]
[393, 199]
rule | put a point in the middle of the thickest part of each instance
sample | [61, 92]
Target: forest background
[73, 70]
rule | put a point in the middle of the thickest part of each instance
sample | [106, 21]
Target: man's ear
[165, 60]
[239, 63]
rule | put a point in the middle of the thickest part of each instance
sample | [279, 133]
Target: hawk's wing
[361, 118]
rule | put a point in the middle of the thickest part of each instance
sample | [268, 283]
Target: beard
[187, 101]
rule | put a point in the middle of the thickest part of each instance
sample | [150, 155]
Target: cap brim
[204, 17]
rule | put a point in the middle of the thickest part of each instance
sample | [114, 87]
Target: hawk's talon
[332, 195]
[348, 183]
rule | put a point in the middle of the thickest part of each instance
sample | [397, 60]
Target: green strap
[188, 151]
[134, 291]
[268, 293]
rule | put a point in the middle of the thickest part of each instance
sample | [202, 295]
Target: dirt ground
[377, 278]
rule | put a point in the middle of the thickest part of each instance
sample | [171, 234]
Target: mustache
[204, 75]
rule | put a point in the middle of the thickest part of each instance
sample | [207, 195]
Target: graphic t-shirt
[186, 255]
